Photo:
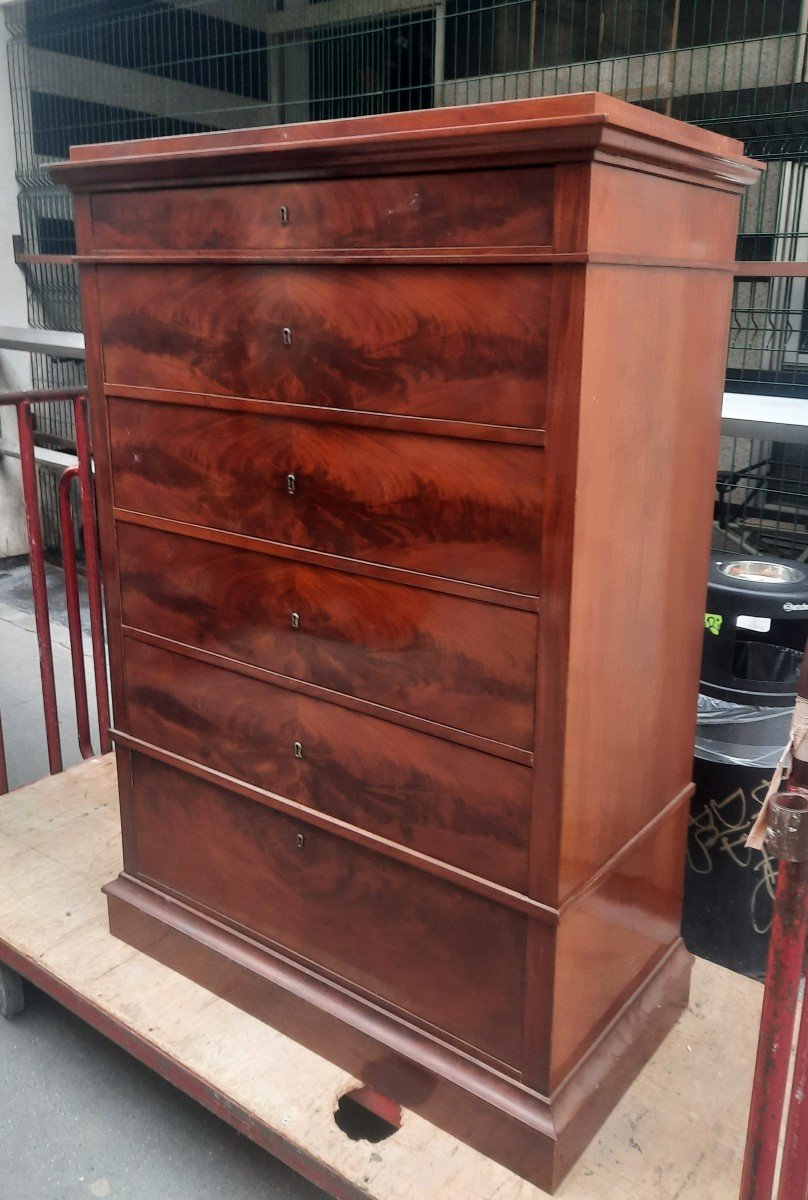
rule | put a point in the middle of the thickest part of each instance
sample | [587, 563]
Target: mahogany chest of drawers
[405, 431]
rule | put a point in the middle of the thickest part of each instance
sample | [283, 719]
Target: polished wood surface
[425, 949]
[545, 130]
[453, 209]
[462, 806]
[699, 226]
[425, 344]
[653, 534]
[405, 506]
[443, 506]
[621, 927]
[453, 661]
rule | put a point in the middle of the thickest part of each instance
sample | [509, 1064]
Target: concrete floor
[20, 688]
[79, 1117]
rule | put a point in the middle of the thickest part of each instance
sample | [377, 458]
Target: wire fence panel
[87, 71]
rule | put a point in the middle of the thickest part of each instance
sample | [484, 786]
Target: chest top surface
[506, 133]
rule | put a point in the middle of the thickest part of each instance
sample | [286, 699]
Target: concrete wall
[15, 367]
[756, 63]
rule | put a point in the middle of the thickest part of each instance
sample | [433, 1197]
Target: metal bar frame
[794, 1169]
[92, 564]
[74, 610]
[81, 473]
[36, 558]
[787, 840]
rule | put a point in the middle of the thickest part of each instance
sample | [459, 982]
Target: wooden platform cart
[678, 1132]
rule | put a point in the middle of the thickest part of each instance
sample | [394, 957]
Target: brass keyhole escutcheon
[283, 213]
[298, 749]
[301, 840]
[295, 620]
[291, 484]
[286, 334]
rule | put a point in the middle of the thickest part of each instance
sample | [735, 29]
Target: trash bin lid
[757, 570]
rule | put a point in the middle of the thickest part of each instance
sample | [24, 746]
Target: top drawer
[453, 210]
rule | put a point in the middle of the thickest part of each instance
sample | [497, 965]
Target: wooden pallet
[678, 1132]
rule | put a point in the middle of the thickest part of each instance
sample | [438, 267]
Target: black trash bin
[754, 630]
[756, 626]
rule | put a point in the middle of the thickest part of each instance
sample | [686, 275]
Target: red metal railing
[784, 970]
[787, 841]
[80, 476]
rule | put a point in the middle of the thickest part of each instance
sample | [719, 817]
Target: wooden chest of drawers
[406, 432]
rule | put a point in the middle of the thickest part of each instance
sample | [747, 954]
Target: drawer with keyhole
[449, 507]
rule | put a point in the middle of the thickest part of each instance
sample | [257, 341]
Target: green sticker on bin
[713, 623]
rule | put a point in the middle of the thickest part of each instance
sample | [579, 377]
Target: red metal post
[789, 812]
[93, 568]
[794, 1169]
[39, 585]
[74, 611]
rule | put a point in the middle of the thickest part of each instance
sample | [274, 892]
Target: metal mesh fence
[100, 70]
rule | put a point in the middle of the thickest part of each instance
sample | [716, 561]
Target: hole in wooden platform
[365, 1115]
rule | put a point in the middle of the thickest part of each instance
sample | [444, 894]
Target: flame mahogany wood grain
[426, 948]
[419, 210]
[426, 343]
[465, 807]
[454, 661]
[467, 510]
[491, 942]
[433, 426]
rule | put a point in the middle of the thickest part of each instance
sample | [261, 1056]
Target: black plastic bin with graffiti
[755, 624]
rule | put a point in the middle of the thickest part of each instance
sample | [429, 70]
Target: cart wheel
[12, 1000]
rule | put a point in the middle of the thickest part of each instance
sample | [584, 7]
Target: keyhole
[295, 620]
[298, 749]
[291, 484]
[284, 214]
[301, 840]
[286, 334]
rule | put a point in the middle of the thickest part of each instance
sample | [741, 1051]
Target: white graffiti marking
[721, 827]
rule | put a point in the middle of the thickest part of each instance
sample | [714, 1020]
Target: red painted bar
[784, 967]
[783, 973]
[92, 566]
[38, 583]
[794, 1169]
[74, 611]
[40, 396]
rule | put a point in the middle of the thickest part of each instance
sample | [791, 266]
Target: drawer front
[460, 662]
[462, 806]
[447, 956]
[488, 208]
[444, 506]
[461, 343]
